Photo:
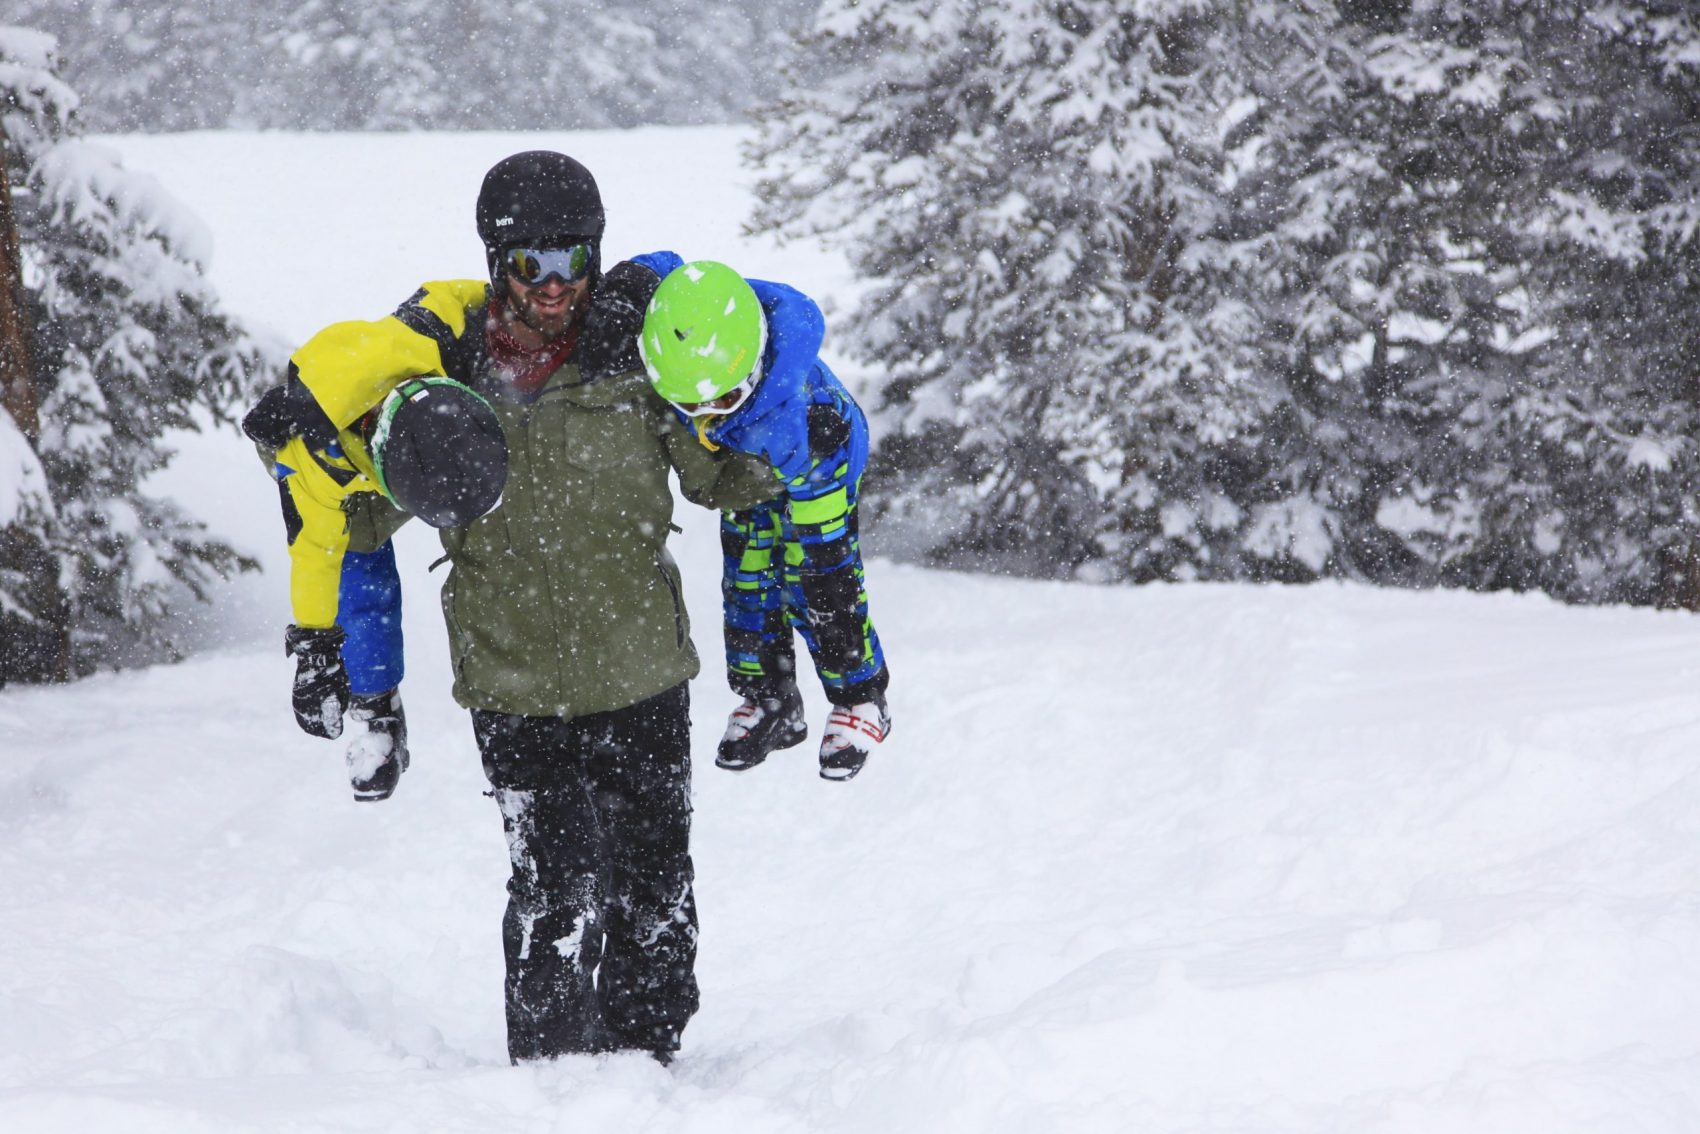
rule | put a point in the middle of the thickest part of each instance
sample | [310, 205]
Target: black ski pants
[601, 925]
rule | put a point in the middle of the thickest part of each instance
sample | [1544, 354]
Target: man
[567, 629]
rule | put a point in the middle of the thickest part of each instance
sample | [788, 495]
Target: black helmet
[534, 197]
[439, 451]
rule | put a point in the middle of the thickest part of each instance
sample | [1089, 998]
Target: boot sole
[375, 794]
[792, 741]
[840, 772]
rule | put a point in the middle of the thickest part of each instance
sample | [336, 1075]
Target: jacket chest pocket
[565, 451]
[610, 462]
[603, 440]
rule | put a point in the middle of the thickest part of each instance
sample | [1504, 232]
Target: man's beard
[550, 327]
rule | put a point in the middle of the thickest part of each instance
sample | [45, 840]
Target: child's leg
[759, 657]
[760, 665]
[369, 611]
[826, 598]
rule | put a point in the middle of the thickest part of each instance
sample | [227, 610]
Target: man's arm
[723, 479]
[350, 367]
[372, 520]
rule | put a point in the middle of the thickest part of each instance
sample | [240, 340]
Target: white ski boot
[852, 733]
[763, 724]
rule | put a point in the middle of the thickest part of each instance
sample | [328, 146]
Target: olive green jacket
[564, 600]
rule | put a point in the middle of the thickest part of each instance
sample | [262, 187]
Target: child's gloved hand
[321, 692]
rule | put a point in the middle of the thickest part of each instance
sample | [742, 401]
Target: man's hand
[607, 339]
[321, 682]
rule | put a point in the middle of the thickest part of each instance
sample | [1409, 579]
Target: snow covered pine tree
[128, 343]
[1030, 190]
[1470, 237]
[1394, 290]
[144, 65]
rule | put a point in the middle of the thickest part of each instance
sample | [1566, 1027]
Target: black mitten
[321, 682]
[608, 337]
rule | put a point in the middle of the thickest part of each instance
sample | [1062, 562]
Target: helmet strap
[702, 425]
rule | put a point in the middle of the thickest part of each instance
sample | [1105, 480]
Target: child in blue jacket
[738, 359]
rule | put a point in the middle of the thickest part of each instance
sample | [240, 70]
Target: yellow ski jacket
[350, 368]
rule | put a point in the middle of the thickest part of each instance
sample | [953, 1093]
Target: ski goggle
[532, 266]
[726, 402]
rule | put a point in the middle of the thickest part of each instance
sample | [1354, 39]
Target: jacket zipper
[678, 604]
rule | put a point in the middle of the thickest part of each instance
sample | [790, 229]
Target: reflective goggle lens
[531, 266]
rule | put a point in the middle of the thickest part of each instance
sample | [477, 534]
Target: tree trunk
[36, 647]
[17, 381]
[1679, 578]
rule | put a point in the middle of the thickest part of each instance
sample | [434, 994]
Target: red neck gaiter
[527, 368]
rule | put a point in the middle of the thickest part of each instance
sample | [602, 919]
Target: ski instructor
[567, 629]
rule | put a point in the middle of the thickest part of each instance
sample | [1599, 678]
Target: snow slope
[1210, 859]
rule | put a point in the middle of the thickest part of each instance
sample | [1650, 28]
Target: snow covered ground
[1210, 859]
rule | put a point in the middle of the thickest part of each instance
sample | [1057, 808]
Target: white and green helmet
[703, 337]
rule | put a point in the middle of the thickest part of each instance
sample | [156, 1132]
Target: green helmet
[703, 337]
